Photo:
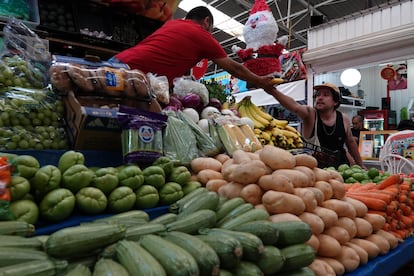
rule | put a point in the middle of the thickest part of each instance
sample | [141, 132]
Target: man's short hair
[199, 13]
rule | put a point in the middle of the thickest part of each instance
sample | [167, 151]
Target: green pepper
[154, 176]
[147, 197]
[170, 193]
[180, 175]
[131, 176]
[166, 163]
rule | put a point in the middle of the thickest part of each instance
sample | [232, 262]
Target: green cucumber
[271, 261]
[292, 232]
[264, 229]
[245, 268]
[297, 256]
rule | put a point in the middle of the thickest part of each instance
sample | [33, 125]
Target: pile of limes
[354, 173]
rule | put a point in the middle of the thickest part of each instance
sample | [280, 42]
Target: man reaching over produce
[323, 124]
[179, 45]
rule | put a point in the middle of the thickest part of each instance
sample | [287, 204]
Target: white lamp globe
[350, 77]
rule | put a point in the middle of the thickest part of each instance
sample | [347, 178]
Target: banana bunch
[269, 130]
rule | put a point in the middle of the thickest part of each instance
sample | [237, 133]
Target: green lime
[356, 167]
[359, 176]
[350, 180]
[343, 167]
[347, 173]
[373, 172]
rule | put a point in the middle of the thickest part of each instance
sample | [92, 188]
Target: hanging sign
[388, 73]
[200, 68]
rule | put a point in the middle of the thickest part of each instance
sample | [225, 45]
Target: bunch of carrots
[392, 198]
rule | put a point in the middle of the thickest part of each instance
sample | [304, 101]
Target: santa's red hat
[259, 5]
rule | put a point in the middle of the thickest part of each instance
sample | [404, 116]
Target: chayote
[180, 175]
[154, 176]
[121, 199]
[26, 165]
[70, 158]
[19, 187]
[91, 201]
[147, 197]
[76, 177]
[46, 178]
[170, 193]
[105, 179]
[131, 176]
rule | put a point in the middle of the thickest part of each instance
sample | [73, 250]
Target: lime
[356, 167]
[350, 180]
[359, 176]
[373, 172]
[347, 173]
[343, 167]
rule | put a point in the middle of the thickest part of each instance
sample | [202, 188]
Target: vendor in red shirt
[179, 44]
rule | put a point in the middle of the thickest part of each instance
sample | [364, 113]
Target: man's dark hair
[199, 13]
[405, 125]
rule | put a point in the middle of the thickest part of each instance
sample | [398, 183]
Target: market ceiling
[294, 17]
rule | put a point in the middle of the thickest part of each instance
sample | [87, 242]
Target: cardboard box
[91, 126]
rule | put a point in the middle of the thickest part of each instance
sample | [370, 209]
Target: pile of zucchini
[203, 234]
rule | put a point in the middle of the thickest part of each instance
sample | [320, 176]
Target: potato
[371, 248]
[284, 217]
[336, 265]
[363, 255]
[364, 228]
[314, 221]
[280, 202]
[208, 174]
[308, 198]
[360, 208]
[326, 189]
[215, 184]
[222, 157]
[392, 240]
[298, 178]
[377, 221]
[240, 156]
[309, 172]
[252, 193]
[341, 208]
[381, 242]
[349, 258]
[314, 242]
[321, 174]
[201, 163]
[349, 225]
[230, 190]
[277, 158]
[280, 183]
[338, 188]
[321, 268]
[328, 246]
[329, 217]
[338, 233]
[306, 160]
[247, 172]
[320, 197]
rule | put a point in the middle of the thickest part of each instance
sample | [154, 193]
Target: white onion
[209, 111]
[227, 112]
[192, 114]
[203, 124]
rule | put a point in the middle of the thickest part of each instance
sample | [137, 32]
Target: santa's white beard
[265, 33]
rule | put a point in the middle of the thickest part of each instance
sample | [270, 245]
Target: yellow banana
[255, 116]
[288, 134]
[291, 128]
[257, 131]
[261, 124]
[277, 81]
[260, 112]
[279, 123]
[266, 136]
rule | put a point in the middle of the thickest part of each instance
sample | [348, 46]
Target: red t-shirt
[173, 49]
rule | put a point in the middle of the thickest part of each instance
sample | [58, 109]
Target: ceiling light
[221, 20]
[350, 77]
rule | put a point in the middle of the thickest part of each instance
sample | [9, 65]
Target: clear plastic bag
[185, 85]
[160, 87]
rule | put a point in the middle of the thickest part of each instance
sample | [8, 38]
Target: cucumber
[228, 206]
[204, 201]
[191, 223]
[292, 232]
[252, 245]
[174, 259]
[245, 268]
[251, 215]
[264, 229]
[271, 260]
[228, 249]
[205, 256]
[297, 256]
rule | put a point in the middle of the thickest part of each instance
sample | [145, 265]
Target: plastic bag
[160, 87]
[24, 55]
[185, 85]
[179, 141]
[141, 135]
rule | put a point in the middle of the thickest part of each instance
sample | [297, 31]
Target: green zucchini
[16, 255]
[191, 223]
[251, 215]
[304, 271]
[174, 259]
[228, 249]
[165, 218]
[241, 209]
[76, 241]
[204, 201]
[297, 256]
[207, 259]
[132, 215]
[17, 228]
[45, 267]
[22, 242]
[228, 206]
[245, 268]
[79, 270]
[224, 272]
[133, 233]
[292, 232]
[252, 245]
[222, 200]
[104, 267]
[176, 206]
[264, 229]
[271, 261]
[137, 260]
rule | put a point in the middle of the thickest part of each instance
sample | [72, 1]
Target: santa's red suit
[264, 61]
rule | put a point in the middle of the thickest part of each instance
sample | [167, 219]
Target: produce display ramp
[388, 264]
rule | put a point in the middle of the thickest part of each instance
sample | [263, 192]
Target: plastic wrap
[25, 57]
[185, 85]
[160, 87]
[141, 137]
[179, 141]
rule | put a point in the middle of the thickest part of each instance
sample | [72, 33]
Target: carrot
[411, 195]
[390, 180]
[402, 198]
[367, 187]
[354, 186]
[371, 202]
[392, 207]
[405, 185]
[383, 196]
[381, 213]
[407, 221]
[406, 210]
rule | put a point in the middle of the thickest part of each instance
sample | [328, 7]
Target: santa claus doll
[263, 48]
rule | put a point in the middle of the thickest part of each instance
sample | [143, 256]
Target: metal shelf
[353, 103]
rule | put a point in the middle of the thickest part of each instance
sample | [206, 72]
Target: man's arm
[351, 143]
